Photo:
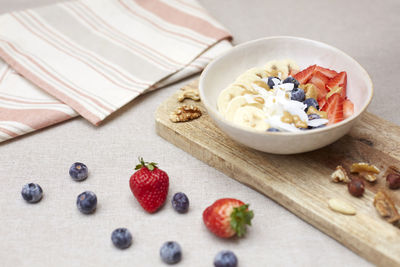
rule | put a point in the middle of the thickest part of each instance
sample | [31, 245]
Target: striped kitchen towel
[91, 57]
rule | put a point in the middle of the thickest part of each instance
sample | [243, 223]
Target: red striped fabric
[91, 57]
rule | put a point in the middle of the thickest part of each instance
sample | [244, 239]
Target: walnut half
[365, 170]
[386, 208]
[340, 175]
[185, 113]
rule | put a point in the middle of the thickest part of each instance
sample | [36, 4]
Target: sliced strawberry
[348, 108]
[319, 80]
[322, 104]
[335, 109]
[303, 76]
[339, 80]
[327, 72]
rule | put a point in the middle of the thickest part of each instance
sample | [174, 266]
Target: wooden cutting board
[301, 183]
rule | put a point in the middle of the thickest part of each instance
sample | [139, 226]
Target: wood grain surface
[301, 183]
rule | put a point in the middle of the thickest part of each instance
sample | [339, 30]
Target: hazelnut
[356, 187]
[393, 180]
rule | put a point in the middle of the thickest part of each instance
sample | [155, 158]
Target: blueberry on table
[298, 95]
[121, 238]
[225, 258]
[273, 130]
[78, 171]
[86, 202]
[272, 81]
[290, 79]
[180, 202]
[32, 192]
[171, 252]
[311, 102]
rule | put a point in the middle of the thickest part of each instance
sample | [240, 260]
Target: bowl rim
[217, 114]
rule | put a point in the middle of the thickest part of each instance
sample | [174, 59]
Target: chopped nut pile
[386, 208]
[185, 113]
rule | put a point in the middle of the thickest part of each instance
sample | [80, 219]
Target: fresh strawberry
[327, 72]
[335, 109]
[303, 76]
[319, 80]
[149, 185]
[227, 217]
[348, 108]
[339, 80]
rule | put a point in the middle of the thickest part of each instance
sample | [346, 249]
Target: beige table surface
[54, 233]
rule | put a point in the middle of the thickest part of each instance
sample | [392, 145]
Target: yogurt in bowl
[266, 117]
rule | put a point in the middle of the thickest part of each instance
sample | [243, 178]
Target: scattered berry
[32, 192]
[298, 95]
[171, 252]
[272, 81]
[149, 185]
[225, 258]
[311, 102]
[227, 217]
[356, 187]
[86, 202]
[180, 202]
[273, 130]
[78, 171]
[121, 238]
[290, 79]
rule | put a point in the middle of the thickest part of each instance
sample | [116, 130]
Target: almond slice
[341, 206]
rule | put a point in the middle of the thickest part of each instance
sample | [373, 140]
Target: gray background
[54, 233]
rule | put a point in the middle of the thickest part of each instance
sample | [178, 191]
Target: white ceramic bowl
[226, 68]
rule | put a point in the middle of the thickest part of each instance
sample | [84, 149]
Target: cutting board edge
[368, 252]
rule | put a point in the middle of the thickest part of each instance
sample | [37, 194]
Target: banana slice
[260, 72]
[249, 77]
[251, 117]
[281, 68]
[227, 95]
[236, 103]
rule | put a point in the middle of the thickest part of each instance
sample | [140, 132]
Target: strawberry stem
[240, 217]
[143, 164]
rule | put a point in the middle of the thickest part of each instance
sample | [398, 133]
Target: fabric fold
[91, 57]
